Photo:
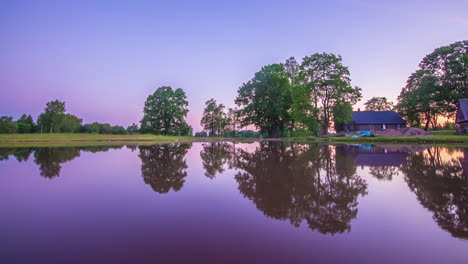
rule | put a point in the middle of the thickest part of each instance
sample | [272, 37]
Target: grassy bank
[64, 139]
[39, 140]
[438, 137]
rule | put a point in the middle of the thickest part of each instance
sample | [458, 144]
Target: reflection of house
[462, 115]
[378, 156]
[375, 121]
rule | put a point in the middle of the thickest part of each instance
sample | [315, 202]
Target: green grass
[442, 132]
[445, 137]
[65, 139]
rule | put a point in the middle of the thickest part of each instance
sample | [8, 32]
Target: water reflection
[440, 184]
[50, 159]
[302, 183]
[215, 155]
[163, 167]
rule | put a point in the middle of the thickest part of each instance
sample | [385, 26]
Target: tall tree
[265, 101]
[233, 120]
[421, 100]
[434, 89]
[450, 65]
[302, 110]
[327, 83]
[50, 120]
[379, 104]
[165, 111]
[214, 118]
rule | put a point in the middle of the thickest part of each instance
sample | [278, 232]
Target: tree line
[283, 99]
[55, 119]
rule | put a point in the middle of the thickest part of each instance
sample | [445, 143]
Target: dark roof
[377, 117]
[462, 113]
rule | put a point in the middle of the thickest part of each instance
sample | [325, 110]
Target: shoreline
[63, 139]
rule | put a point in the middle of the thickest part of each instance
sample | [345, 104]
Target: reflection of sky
[101, 206]
[103, 59]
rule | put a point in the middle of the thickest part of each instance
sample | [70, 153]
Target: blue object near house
[364, 133]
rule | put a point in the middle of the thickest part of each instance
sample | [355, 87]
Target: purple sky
[105, 57]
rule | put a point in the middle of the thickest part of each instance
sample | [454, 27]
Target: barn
[375, 121]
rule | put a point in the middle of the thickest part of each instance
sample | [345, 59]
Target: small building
[462, 115]
[375, 121]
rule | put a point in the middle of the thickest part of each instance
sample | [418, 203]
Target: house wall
[464, 127]
[377, 127]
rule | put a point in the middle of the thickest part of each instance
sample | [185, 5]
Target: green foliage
[50, 120]
[420, 100]
[379, 104]
[92, 128]
[70, 124]
[248, 134]
[25, 124]
[105, 129]
[214, 118]
[133, 129]
[165, 111]
[201, 134]
[342, 114]
[7, 125]
[434, 89]
[265, 101]
[326, 83]
[303, 114]
[119, 130]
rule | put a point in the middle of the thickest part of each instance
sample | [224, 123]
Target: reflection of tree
[384, 173]
[302, 182]
[163, 166]
[50, 159]
[440, 187]
[21, 154]
[214, 155]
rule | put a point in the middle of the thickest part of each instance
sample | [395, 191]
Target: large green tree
[379, 104]
[327, 84]
[214, 118]
[434, 89]
[265, 101]
[51, 119]
[165, 111]
[421, 100]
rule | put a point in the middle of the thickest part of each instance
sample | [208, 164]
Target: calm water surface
[223, 202]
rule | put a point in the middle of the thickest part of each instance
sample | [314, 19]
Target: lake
[224, 202]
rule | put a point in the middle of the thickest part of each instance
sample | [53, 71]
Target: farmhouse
[375, 121]
[462, 115]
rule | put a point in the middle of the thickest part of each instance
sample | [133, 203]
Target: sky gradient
[103, 58]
